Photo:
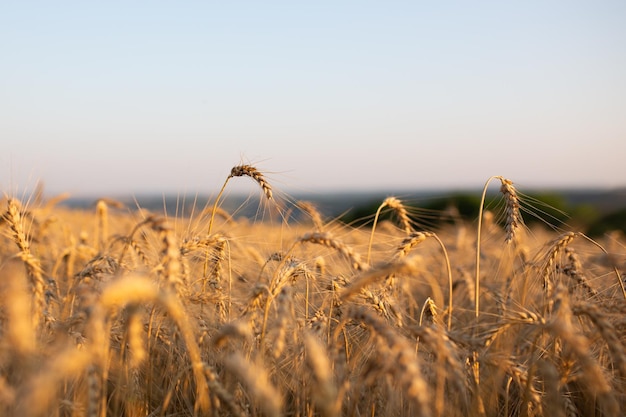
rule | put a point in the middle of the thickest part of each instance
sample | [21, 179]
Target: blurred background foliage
[548, 208]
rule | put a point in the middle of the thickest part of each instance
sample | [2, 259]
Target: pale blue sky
[133, 97]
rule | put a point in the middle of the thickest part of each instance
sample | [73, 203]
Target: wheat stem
[513, 223]
[240, 171]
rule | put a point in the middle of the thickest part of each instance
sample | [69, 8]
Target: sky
[115, 98]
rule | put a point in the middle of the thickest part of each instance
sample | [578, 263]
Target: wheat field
[119, 311]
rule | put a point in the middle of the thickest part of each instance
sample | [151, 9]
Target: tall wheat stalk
[513, 223]
[402, 213]
[240, 171]
[13, 217]
[417, 237]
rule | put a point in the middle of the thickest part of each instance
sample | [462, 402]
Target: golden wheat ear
[257, 383]
[416, 238]
[513, 215]
[513, 223]
[243, 171]
[560, 245]
[15, 220]
[325, 239]
[308, 208]
[256, 175]
[398, 207]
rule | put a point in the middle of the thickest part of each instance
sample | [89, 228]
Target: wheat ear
[135, 337]
[429, 310]
[608, 332]
[308, 208]
[18, 330]
[513, 223]
[562, 325]
[33, 266]
[618, 275]
[241, 171]
[325, 239]
[102, 226]
[371, 275]
[560, 244]
[224, 395]
[397, 205]
[553, 253]
[414, 239]
[102, 223]
[257, 380]
[129, 239]
[513, 216]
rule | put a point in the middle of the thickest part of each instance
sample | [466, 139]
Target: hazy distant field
[118, 310]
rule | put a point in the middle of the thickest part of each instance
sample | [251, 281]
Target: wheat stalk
[33, 266]
[324, 391]
[102, 227]
[308, 208]
[223, 394]
[321, 333]
[240, 171]
[513, 215]
[396, 205]
[562, 326]
[447, 357]
[20, 331]
[285, 312]
[102, 220]
[135, 290]
[38, 394]
[608, 332]
[513, 223]
[414, 239]
[367, 277]
[170, 256]
[255, 174]
[573, 270]
[325, 239]
[135, 335]
[402, 360]
[559, 246]
[409, 242]
[257, 381]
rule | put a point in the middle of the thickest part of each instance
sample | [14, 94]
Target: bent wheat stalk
[398, 207]
[417, 237]
[513, 223]
[240, 171]
[308, 208]
[325, 239]
[560, 245]
[371, 275]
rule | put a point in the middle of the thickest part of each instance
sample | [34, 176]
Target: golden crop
[123, 312]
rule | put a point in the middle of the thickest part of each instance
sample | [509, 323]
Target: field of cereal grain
[124, 311]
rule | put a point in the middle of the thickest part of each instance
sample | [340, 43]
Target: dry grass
[124, 312]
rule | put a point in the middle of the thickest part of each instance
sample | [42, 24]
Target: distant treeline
[594, 212]
[546, 208]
